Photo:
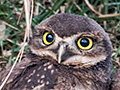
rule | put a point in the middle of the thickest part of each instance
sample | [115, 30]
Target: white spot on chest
[38, 81]
[29, 80]
[47, 82]
[45, 69]
[39, 68]
[43, 76]
[50, 66]
[48, 63]
[38, 75]
[52, 71]
[41, 81]
[39, 87]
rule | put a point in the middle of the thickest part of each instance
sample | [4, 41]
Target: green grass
[10, 9]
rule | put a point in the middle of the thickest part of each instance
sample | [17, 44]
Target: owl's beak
[61, 51]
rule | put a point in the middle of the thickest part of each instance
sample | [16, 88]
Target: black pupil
[49, 38]
[84, 42]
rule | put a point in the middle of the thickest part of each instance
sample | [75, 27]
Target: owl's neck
[100, 72]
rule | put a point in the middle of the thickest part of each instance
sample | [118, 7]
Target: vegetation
[105, 12]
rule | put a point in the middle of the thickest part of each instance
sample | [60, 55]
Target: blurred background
[13, 24]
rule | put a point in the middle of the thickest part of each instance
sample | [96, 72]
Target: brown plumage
[115, 85]
[67, 52]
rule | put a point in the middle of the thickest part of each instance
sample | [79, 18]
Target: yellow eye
[85, 43]
[48, 38]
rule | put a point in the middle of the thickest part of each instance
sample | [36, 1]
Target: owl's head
[71, 40]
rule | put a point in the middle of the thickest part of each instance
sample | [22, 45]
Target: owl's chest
[69, 81]
[49, 76]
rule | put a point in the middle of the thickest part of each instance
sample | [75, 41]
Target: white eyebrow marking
[71, 43]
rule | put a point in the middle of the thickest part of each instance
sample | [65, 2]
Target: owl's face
[71, 40]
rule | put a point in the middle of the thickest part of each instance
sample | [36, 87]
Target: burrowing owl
[67, 52]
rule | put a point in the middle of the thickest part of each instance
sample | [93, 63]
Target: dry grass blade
[28, 17]
[2, 30]
[62, 9]
[28, 28]
[30, 31]
[9, 25]
[109, 15]
[92, 8]
[117, 61]
[79, 8]
[98, 13]
[2, 34]
[23, 10]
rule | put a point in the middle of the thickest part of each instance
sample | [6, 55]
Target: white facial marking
[56, 42]
[71, 43]
[44, 53]
[85, 60]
